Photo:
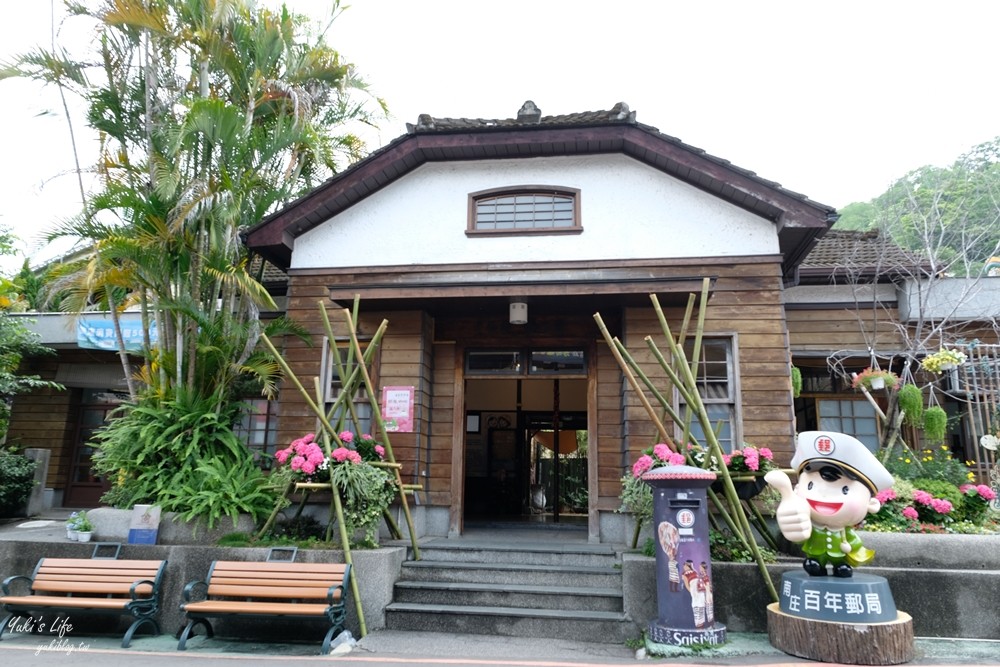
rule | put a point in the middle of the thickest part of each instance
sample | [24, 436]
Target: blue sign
[98, 333]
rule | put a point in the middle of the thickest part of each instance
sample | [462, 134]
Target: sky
[834, 100]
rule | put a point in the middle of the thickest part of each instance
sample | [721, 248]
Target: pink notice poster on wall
[397, 409]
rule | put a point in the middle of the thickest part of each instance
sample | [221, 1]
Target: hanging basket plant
[911, 401]
[875, 379]
[796, 382]
[935, 423]
[943, 360]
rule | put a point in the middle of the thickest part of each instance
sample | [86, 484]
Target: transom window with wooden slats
[526, 209]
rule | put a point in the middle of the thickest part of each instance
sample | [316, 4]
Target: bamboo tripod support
[681, 375]
[350, 383]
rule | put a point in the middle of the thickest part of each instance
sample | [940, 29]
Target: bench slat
[96, 578]
[58, 601]
[92, 587]
[264, 608]
[98, 564]
[278, 569]
[279, 576]
[266, 591]
[295, 583]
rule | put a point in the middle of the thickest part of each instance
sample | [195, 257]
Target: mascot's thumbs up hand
[793, 511]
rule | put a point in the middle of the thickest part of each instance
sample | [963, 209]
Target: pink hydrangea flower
[661, 451]
[986, 493]
[308, 467]
[366, 436]
[922, 497]
[940, 505]
[910, 513]
[346, 437]
[676, 459]
[644, 463]
[885, 496]
[282, 455]
[726, 458]
[353, 456]
[297, 462]
[751, 458]
[380, 450]
[340, 454]
[767, 453]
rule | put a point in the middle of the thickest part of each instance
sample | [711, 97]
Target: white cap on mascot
[844, 451]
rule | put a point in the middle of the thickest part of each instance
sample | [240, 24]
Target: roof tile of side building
[855, 252]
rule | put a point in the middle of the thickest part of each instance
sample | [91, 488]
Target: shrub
[17, 479]
[943, 504]
[976, 501]
[183, 455]
[930, 463]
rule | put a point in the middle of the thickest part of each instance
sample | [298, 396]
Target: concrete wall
[949, 584]
[376, 571]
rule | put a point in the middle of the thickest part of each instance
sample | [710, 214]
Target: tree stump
[889, 643]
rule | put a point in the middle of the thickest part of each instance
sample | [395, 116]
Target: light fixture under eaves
[518, 312]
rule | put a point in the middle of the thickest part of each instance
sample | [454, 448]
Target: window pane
[721, 418]
[855, 418]
[499, 361]
[558, 362]
[528, 210]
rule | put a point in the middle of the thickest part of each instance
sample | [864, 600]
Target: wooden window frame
[510, 191]
[732, 399]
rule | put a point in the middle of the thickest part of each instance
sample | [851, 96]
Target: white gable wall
[628, 210]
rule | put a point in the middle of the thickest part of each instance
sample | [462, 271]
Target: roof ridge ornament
[621, 111]
[529, 113]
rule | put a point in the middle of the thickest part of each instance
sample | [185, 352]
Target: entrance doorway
[85, 488]
[525, 450]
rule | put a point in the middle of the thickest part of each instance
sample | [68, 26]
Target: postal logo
[824, 445]
[685, 518]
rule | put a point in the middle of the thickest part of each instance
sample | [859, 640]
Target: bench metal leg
[127, 639]
[6, 623]
[186, 632]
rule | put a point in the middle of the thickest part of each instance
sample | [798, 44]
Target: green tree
[211, 114]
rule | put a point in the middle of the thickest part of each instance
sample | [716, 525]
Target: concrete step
[526, 553]
[505, 573]
[465, 594]
[590, 626]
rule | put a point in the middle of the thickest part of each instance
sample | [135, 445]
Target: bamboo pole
[682, 375]
[377, 414]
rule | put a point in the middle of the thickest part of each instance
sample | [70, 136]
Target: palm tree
[212, 114]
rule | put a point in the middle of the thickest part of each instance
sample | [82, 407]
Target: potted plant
[81, 525]
[943, 360]
[875, 378]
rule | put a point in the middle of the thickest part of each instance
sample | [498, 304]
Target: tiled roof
[529, 116]
[868, 253]
[530, 134]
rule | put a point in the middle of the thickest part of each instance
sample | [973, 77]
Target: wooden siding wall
[611, 442]
[746, 303]
[825, 329]
[404, 358]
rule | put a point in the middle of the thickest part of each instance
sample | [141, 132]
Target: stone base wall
[949, 584]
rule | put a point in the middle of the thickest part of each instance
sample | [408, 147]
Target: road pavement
[386, 648]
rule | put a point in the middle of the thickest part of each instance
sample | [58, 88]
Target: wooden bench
[97, 585]
[267, 589]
